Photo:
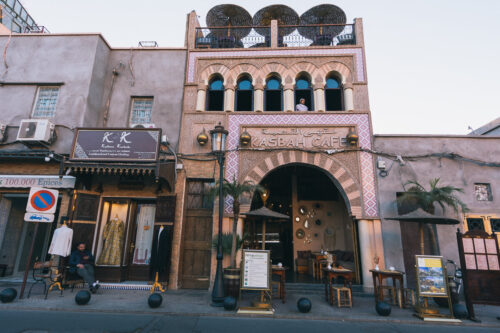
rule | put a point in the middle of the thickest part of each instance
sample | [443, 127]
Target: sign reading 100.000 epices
[137, 145]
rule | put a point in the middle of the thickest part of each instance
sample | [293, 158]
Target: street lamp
[219, 135]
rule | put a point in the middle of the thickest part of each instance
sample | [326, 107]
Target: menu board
[256, 270]
[431, 276]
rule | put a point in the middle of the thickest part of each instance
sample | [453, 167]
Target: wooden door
[197, 236]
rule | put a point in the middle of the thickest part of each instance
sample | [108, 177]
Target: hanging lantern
[245, 138]
[202, 138]
[352, 138]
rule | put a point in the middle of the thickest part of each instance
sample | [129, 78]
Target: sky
[433, 65]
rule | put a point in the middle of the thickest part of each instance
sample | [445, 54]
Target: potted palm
[417, 196]
[235, 190]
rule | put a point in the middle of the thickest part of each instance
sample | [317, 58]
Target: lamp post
[219, 135]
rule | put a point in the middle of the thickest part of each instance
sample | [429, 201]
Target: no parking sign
[42, 200]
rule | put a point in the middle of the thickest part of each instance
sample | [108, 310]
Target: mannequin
[112, 236]
[160, 252]
[61, 241]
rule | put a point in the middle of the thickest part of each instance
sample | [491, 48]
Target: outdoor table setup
[378, 281]
[335, 273]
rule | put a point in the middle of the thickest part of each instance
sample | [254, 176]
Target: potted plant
[235, 190]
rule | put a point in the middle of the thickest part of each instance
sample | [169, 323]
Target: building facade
[124, 135]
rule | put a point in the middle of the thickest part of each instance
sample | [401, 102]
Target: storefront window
[144, 237]
[112, 233]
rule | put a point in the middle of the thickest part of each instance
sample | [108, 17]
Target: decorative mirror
[317, 222]
[317, 205]
[307, 225]
[297, 219]
[300, 233]
[329, 231]
[303, 210]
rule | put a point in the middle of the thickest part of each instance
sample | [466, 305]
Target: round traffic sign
[42, 200]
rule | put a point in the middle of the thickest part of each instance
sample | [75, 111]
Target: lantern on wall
[202, 138]
[245, 138]
[352, 138]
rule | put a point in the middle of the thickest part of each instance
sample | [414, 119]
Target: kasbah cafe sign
[319, 137]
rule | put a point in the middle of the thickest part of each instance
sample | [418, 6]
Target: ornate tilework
[358, 55]
[361, 120]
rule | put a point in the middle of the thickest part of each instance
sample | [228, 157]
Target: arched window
[215, 95]
[303, 90]
[274, 95]
[333, 95]
[244, 94]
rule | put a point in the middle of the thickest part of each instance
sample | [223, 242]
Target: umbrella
[322, 14]
[420, 216]
[284, 14]
[265, 213]
[229, 16]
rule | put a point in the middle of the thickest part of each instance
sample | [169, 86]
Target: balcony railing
[316, 35]
[232, 37]
[288, 36]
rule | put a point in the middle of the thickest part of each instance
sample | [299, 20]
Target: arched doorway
[319, 220]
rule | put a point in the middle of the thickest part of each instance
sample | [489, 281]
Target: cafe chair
[342, 296]
[44, 272]
[392, 293]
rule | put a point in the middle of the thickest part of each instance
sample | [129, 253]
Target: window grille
[46, 101]
[142, 108]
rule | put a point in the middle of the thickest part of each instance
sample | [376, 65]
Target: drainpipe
[115, 73]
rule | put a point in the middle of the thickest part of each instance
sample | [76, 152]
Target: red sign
[43, 200]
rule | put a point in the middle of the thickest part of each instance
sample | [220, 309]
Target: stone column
[319, 99]
[229, 98]
[201, 97]
[370, 245]
[288, 100]
[258, 98]
[348, 99]
[274, 33]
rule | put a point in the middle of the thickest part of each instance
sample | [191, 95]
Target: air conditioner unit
[35, 130]
[143, 126]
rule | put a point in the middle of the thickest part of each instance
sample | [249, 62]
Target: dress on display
[111, 253]
[160, 252]
[144, 238]
[61, 241]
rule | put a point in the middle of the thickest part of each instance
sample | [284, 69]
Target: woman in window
[274, 94]
[215, 96]
[244, 94]
[333, 95]
[303, 94]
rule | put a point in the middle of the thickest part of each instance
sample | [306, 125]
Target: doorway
[18, 237]
[319, 220]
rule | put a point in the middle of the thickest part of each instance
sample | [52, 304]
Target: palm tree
[235, 189]
[444, 196]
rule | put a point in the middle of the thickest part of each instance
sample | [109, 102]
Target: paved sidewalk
[197, 302]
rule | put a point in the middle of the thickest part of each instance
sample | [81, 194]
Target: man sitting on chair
[302, 105]
[81, 262]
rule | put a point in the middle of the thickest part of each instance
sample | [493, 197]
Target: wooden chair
[392, 294]
[342, 296]
[43, 272]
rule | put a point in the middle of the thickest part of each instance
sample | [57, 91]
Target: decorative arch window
[303, 89]
[215, 94]
[244, 94]
[333, 94]
[273, 99]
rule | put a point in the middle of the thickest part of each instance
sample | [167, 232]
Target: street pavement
[63, 321]
[112, 310]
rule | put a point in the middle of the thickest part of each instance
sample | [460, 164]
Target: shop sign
[37, 217]
[126, 144]
[41, 200]
[25, 181]
[256, 270]
[302, 137]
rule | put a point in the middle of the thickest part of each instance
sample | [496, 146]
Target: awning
[164, 171]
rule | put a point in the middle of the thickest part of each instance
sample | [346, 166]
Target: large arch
[208, 72]
[348, 186]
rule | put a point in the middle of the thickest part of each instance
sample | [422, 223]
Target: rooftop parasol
[265, 214]
[322, 14]
[229, 16]
[283, 14]
[420, 216]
